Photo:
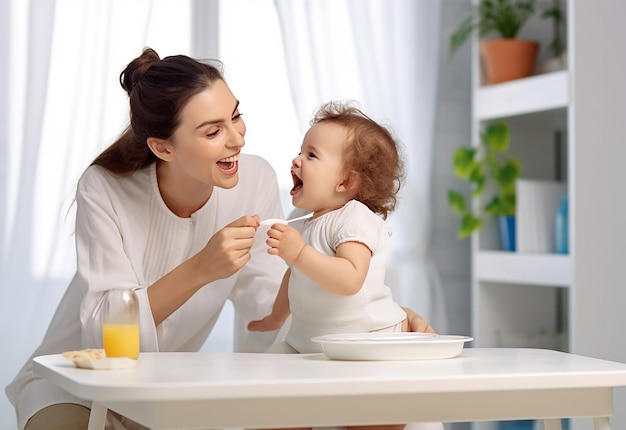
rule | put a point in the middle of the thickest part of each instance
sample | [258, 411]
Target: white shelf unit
[572, 302]
[520, 299]
[552, 270]
[519, 97]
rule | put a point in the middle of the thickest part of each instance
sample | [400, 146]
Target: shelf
[553, 270]
[520, 96]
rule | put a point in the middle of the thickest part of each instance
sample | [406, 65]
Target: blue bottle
[516, 425]
[561, 231]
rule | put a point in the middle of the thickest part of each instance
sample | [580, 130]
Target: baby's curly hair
[371, 153]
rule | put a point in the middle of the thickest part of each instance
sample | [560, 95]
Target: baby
[348, 174]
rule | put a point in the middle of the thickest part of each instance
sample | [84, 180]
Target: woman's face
[208, 141]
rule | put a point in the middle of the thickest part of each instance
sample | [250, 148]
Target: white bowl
[391, 346]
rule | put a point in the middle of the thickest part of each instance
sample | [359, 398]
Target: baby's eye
[312, 155]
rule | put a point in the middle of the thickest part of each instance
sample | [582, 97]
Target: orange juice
[121, 340]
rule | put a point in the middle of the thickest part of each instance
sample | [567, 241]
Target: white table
[212, 390]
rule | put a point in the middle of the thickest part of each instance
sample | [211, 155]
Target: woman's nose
[236, 136]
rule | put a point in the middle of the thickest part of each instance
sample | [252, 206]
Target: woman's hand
[224, 254]
[228, 250]
[416, 323]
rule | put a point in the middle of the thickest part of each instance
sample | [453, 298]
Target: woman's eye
[237, 116]
[213, 133]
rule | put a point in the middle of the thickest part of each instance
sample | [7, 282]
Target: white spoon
[271, 221]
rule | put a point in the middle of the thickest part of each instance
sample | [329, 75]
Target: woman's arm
[108, 248]
[227, 251]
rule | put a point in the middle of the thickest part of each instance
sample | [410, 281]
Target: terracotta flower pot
[508, 59]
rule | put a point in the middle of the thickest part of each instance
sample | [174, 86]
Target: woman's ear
[160, 148]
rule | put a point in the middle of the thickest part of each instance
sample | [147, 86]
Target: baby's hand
[285, 242]
[266, 324]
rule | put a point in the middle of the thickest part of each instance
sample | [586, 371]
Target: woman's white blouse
[126, 237]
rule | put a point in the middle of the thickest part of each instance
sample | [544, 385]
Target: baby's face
[318, 172]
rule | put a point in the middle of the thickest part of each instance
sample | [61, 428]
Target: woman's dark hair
[371, 153]
[157, 90]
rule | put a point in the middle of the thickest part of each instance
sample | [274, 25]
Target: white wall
[600, 209]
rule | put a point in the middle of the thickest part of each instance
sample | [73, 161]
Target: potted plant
[557, 47]
[507, 57]
[486, 167]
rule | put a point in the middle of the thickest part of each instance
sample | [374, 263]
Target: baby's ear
[350, 182]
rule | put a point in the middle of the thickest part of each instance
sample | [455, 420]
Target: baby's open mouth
[297, 183]
[229, 163]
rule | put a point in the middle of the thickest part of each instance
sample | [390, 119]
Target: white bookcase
[510, 286]
[568, 125]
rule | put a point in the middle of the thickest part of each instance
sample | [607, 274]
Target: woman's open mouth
[229, 165]
[297, 184]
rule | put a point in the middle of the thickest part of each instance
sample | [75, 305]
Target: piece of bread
[85, 354]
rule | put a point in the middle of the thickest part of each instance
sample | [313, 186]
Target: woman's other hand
[416, 323]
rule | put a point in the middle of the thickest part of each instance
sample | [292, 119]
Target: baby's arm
[351, 261]
[342, 274]
[280, 310]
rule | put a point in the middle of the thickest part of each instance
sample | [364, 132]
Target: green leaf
[494, 206]
[497, 137]
[479, 185]
[457, 202]
[508, 173]
[463, 162]
[461, 35]
[501, 205]
[507, 201]
[486, 168]
[491, 207]
[468, 224]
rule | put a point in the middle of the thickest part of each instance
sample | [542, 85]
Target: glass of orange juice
[120, 324]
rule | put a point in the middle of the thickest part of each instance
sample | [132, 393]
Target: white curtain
[384, 54]
[60, 104]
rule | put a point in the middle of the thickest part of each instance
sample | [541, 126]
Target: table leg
[97, 417]
[601, 423]
[552, 424]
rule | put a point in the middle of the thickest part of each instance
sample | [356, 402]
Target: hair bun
[136, 69]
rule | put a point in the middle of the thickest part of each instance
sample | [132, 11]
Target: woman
[170, 210]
